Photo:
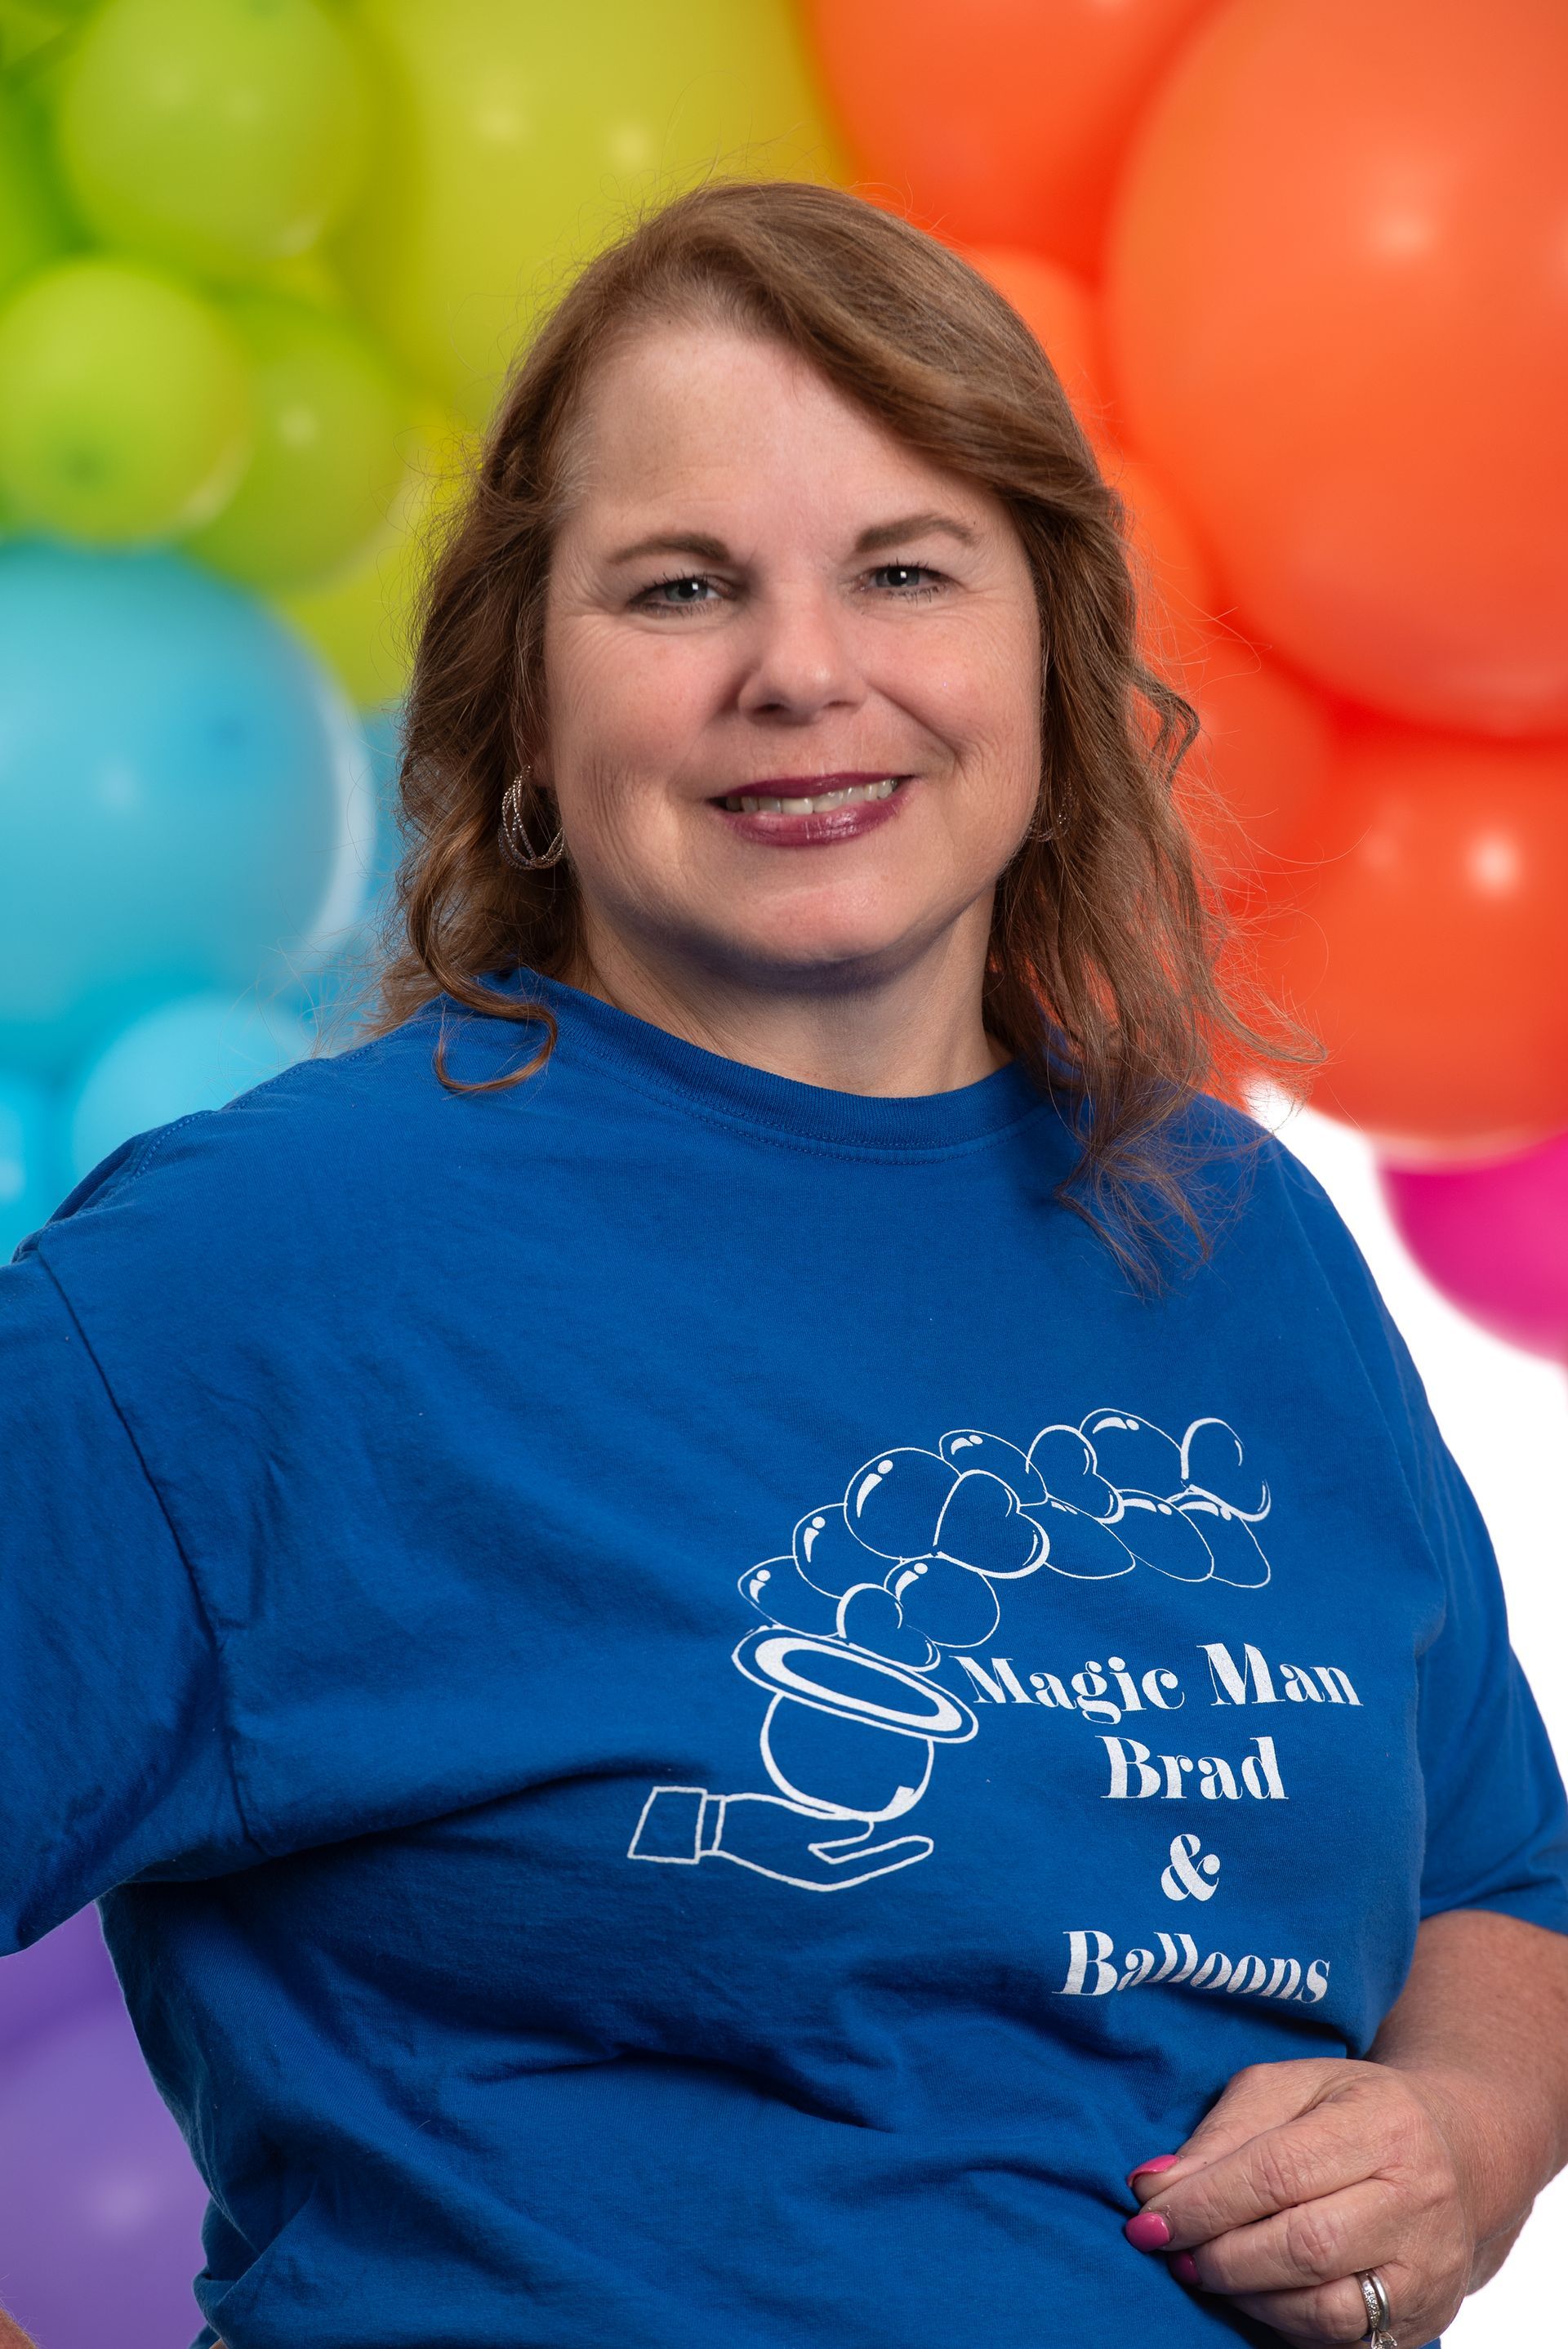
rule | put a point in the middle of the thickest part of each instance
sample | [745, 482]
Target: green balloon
[125, 412]
[362, 620]
[216, 134]
[326, 462]
[516, 134]
[32, 221]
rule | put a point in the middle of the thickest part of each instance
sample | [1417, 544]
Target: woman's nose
[802, 657]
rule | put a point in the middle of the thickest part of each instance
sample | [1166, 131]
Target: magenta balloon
[68, 1970]
[1495, 1239]
[100, 2205]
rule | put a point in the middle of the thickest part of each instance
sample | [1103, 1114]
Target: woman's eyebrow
[915, 525]
[881, 534]
[683, 542]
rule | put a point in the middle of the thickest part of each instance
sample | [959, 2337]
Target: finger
[1316, 2153]
[1311, 2244]
[1337, 2311]
[1259, 2097]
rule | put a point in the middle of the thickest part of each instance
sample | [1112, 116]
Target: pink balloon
[100, 2205]
[1495, 1239]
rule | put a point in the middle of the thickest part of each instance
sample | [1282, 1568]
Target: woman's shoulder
[271, 1128]
[1288, 1249]
[241, 1205]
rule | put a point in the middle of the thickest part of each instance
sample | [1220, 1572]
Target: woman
[753, 1603]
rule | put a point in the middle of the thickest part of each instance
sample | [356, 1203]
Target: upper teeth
[751, 803]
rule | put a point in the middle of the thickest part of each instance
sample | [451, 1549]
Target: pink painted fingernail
[1147, 2169]
[1147, 2232]
[1184, 2267]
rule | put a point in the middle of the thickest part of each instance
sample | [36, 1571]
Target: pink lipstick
[810, 811]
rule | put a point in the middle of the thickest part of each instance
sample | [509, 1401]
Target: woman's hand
[1305, 2174]
[1422, 2163]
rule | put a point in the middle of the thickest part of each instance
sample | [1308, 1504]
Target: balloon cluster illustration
[908, 1563]
[916, 1564]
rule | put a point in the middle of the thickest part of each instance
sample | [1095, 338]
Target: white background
[1506, 1417]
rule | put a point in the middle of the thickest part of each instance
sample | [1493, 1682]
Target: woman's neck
[918, 1032]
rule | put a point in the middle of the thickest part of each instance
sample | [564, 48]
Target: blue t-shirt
[696, 1726]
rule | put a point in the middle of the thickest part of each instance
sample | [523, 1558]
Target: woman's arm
[1422, 2162]
[1485, 2007]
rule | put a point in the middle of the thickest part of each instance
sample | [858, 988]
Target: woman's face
[761, 596]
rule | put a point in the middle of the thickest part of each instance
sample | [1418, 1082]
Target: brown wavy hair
[1104, 972]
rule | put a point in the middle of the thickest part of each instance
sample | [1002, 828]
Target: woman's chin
[823, 957]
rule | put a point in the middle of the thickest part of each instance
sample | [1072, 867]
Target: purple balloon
[67, 1971]
[101, 2227]
[1495, 1239]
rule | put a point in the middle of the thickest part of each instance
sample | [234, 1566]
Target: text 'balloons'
[1338, 314]
[183, 794]
[214, 134]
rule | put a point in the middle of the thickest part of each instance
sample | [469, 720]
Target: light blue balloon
[194, 1054]
[32, 1178]
[337, 996]
[185, 799]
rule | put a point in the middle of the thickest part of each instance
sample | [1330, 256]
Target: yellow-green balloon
[514, 133]
[216, 134]
[32, 222]
[325, 465]
[362, 622]
[125, 404]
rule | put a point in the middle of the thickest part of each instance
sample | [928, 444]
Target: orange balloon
[1172, 573]
[1175, 574]
[1253, 784]
[1337, 311]
[1060, 311]
[1429, 948]
[999, 122]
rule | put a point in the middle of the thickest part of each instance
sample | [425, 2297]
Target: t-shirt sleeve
[1497, 1822]
[114, 1759]
[1497, 1818]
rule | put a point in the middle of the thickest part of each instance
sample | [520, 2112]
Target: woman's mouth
[779, 813]
[759, 803]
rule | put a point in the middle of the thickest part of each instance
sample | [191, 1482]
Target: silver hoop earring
[516, 844]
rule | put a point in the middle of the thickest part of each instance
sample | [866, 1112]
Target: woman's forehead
[709, 412]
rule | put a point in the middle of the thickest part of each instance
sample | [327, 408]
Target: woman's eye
[907, 579]
[668, 595]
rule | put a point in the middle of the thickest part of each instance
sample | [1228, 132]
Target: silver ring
[1379, 2316]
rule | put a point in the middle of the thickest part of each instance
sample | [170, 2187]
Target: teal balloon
[185, 800]
[338, 995]
[32, 1178]
[194, 1054]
